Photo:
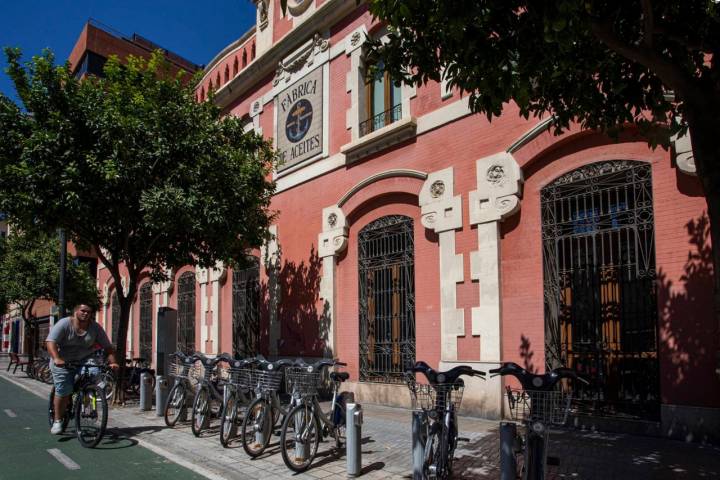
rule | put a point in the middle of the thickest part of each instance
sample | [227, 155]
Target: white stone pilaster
[202, 277]
[331, 242]
[162, 292]
[684, 157]
[217, 275]
[499, 182]
[271, 254]
[441, 212]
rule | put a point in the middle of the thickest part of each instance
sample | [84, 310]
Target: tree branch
[670, 74]
[648, 20]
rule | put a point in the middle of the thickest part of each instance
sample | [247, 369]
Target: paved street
[386, 449]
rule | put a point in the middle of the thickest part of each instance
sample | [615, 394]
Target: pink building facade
[409, 229]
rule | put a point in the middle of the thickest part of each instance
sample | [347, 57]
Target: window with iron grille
[146, 321]
[246, 317]
[387, 298]
[115, 318]
[186, 312]
[600, 285]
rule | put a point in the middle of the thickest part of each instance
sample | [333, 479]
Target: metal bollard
[353, 429]
[161, 393]
[146, 391]
[508, 465]
[419, 438]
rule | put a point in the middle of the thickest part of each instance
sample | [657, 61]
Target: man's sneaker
[57, 427]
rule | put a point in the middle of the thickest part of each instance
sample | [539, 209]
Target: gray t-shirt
[74, 347]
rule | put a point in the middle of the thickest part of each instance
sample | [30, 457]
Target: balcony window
[383, 104]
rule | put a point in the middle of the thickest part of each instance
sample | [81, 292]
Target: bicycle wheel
[51, 410]
[90, 415]
[431, 455]
[175, 405]
[299, 438]
[200, 411]
[228, 417]
[256, 428]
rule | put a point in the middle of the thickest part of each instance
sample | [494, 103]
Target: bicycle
[88, 405]
[301, 429]
[263, 413]
[207, 391]
[439, 400]
[39, 369]
[182, 368]
[238, 392]
[537, 405]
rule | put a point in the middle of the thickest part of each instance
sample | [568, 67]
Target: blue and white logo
[299, 120]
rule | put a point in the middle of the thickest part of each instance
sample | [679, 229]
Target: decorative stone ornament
[437, 189]
[333, 238]
[684, 158]
[355, 39]
[300, 59]
[498, 186]
[298, 7]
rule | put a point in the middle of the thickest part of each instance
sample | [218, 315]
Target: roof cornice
[323, 18]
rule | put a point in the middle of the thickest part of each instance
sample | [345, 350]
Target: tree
[604, 64]
[29, 272]
[133, 168]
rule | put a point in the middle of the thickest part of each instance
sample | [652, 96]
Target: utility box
[166, 336]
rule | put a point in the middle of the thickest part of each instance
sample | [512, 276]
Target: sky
[192, 29]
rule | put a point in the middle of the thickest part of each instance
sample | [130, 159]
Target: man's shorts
[64, 378]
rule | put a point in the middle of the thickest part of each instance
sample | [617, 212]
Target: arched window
[386, 257]
[227, 73]
[244, 58]
[115, 317]
[246, 316]
[235, 67]
[252, 52]
[217, 80]
[186, 312]
[599, 283]
[146, 321]
[202, 94]
[210, 86]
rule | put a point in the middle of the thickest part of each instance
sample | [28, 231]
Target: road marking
[10, 413]
[64, 459]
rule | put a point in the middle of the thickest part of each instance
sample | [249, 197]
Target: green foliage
[29, 271]
[602, 63]
[131, 165]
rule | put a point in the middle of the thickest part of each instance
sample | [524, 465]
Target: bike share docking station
[166, 335]
[146, 391]
[353, 438]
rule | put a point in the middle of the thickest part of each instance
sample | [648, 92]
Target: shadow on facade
[527, 353]
[304, 328]
[687, 335]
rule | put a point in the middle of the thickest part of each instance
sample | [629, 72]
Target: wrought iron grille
[246, 317]
[115, 318]
[387, 299]
[599, 285]
[145, 337]
[186, 313]
[381, 120]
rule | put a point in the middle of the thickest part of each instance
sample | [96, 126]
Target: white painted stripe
[64, 459]
[10, 413]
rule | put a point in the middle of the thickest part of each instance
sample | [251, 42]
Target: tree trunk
[126, 302]
[703, 123]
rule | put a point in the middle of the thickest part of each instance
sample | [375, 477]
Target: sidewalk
[387, 443]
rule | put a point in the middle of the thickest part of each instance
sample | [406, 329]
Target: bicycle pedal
[553, 461]
[463, 439]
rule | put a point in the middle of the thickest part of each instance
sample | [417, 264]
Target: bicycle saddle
[449, 376]
[536, 382]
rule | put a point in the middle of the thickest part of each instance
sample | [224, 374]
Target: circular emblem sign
[298, 120]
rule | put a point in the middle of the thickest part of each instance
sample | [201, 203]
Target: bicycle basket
[244, 377]
[301, 381]
[180, 369]
[547, 407]
[435, 397]
[267, 381]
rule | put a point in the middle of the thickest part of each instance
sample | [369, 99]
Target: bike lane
[28, 451]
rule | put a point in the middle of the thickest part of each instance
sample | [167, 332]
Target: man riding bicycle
[73, 339]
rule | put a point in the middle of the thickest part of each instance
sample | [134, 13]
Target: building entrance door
[599, 285]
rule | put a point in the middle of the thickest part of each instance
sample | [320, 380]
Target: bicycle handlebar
[532, 381]
[449, 376]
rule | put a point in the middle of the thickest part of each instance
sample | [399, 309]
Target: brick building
[409, 229]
